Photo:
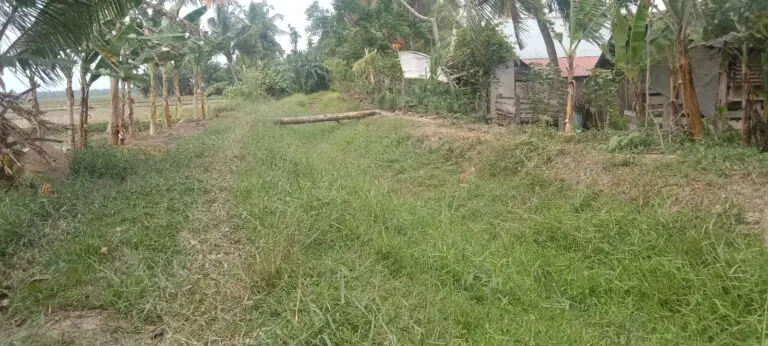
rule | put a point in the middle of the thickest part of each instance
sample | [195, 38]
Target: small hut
[716, 77]
[517, 98]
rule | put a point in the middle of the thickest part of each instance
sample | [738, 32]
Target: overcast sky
[292, 11]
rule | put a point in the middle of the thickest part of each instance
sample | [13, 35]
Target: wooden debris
[326, 117]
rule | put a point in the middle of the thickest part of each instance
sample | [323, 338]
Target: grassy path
[361, 233]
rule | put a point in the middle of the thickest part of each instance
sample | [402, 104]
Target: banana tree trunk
[114, 119]
[177, 91]
[637, 103]
[132, 132]
[690, 99]
[83, 125]
[195, 109]
[166, 102]
[68, 71]
[571, 98]
[200, 93]
[123, 103]
[746, 90]
[152, 99]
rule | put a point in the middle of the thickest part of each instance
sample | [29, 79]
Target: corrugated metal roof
[582, 65]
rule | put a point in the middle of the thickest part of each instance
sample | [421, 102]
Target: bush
[433, 97]
[635, 141]
[101, 162]
[217, 89]
[264, 80]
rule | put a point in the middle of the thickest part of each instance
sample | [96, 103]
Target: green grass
[360, 233]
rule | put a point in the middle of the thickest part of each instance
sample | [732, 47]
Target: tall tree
[226, 27]
[258, 40]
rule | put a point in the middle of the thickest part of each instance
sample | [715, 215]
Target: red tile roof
[582, 65]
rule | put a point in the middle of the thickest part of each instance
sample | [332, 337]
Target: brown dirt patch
[165, 138]
[54, 166]
[439, 128]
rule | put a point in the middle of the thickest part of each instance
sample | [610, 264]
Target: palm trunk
[690, 99]
[114, 119]
[177, 91]
[83, 126]
[132, 132]
[152, 99]
[746, 90]
[232, 71]
[166, 102]
[195, 81]
[435, 32]
[548, 42]
[68, 70]
[571, 98]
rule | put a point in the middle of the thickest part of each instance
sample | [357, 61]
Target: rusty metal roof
[582, 65]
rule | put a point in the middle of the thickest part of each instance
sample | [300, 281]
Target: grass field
[382, 231]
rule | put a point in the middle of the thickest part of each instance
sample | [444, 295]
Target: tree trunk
[232, 70]
[326, 117]
[195, 81]
[690, 100]
[123, 103]
[177, 91]
[571, 98]
[746, 90]
[114, 119]
[68, 71]
[132, 131]
[83, 126]
[166, 102]
[435, 32]
[152, 99]
[638, 103]
[546, 34]
[201, 94]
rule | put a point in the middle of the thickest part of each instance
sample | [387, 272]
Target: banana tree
[587, 22]
[630, 54]
[682, 17]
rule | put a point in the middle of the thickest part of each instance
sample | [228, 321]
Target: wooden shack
[718, 82]
[517, 98]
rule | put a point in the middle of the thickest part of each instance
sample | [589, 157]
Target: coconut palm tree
[259, 39]
[225, 28]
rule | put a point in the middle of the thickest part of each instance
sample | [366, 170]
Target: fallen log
[326, 117]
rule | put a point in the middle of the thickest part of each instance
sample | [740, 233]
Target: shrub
[217, 89]
[634, 141]
[101, 162]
